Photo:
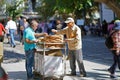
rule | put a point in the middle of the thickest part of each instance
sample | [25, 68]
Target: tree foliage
[14, 9]
[64, 6]
[46, 8]
[77, 7]
[2, 2]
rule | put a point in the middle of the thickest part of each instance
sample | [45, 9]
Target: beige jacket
[75, 34]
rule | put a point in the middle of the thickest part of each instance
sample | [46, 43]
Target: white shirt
[11, 25]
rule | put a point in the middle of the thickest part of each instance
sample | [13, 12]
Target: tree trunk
[112, 5]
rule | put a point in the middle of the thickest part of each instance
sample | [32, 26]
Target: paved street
[97, 60]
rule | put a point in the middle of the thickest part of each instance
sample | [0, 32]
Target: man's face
[35, 26]
[70, 24]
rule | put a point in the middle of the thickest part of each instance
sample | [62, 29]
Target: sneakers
[72, 74]
[109, 71]
[112, 75]
[83, 75]
[8, 42]
[14, 46]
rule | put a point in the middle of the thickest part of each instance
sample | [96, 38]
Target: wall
[106, 13]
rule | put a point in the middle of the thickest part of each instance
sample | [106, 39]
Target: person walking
[23, 25]
[12, 27]
[29, 37]
[18, 23]
[58, 25]
[2, 31]
[104, 28]
[3, 75]
[116, 49]
[73, 34]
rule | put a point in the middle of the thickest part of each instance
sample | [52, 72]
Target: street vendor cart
[49, 59]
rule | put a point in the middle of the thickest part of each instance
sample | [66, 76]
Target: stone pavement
[97, 60]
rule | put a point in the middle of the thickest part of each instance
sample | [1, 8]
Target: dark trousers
[116, 59]
[76, 55]
[29, 62]
[1, 38]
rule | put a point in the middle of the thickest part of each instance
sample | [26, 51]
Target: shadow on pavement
[94, 50]
[12, 57]
[18, 75]
[97, 75]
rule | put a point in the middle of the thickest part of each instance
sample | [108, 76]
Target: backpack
[109, 42]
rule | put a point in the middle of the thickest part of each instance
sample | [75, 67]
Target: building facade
[106, 13]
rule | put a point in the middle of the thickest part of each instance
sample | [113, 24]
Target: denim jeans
[12, 40]
[29, 62]
[76, 55]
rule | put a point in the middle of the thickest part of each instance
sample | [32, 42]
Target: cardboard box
[48, 65]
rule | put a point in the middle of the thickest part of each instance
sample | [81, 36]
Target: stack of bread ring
[52, 41]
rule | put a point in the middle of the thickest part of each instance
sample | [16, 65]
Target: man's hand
[45, 34]
[36, 41]
[54, 31]
[31, 41]
[40, 34]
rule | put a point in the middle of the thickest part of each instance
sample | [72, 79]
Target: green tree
[75, 7]
[46, 9]
[2, 2]
[14, 9]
